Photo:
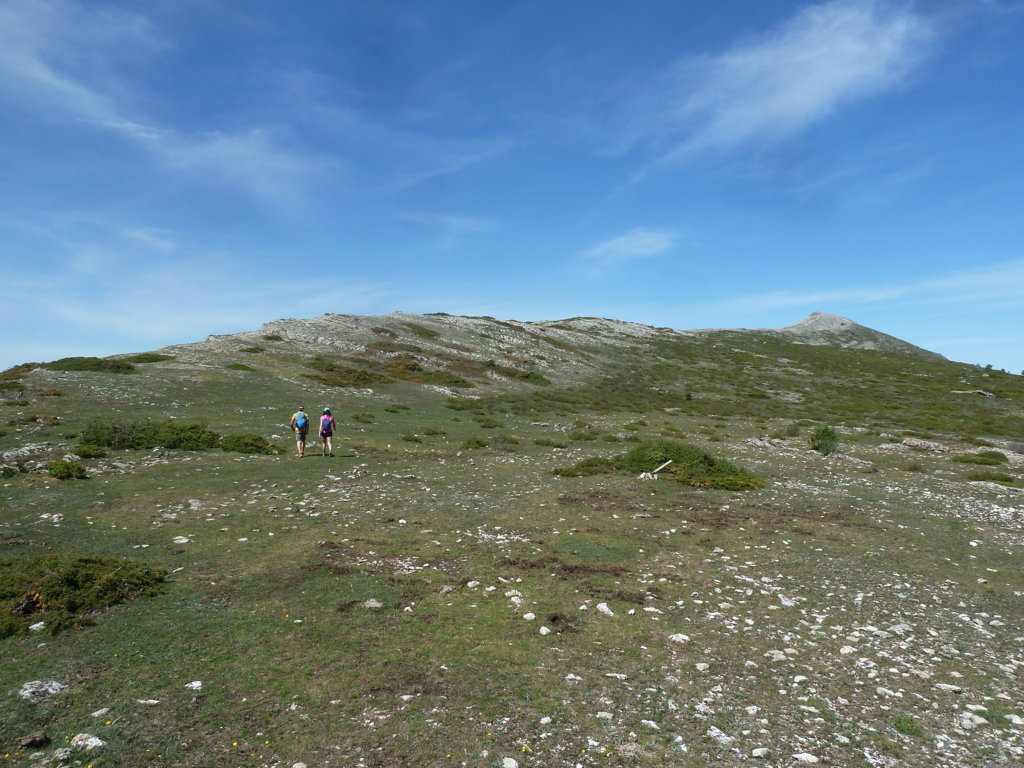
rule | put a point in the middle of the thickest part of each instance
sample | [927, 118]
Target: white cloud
[771, 88]
[997, 286]
[452, 228]
[58, 57]
[637, 243]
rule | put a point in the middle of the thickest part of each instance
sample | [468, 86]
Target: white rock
[373, 603]
[775, 656]
[545, 631]
[604, 715]
[101, 712]
[799, 679]
[603, 608]
[759, 752]
[650, 724]
[472, 584]
[37, 627]
[298, 765]
[573, 678]
[948, 687]
[508, 762]
[148, 702]
[529, 616]
[805, 757]
[195, 685]
[38, 690]
[181, 540]
[846, 650]
[406, 697]
[702, 667]
[752, 710]
[720, 736]
[86, 741]
[545, 720]
[679, 637]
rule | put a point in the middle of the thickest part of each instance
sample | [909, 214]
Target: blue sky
[177, 168]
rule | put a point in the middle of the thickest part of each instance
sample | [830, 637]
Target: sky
[179, 168]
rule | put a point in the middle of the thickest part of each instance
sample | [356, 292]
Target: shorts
[301, 433]
[326, 434]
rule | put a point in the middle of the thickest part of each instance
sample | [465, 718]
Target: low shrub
[473, 443]
[147, 357]
[488, 423]
[96, 364]
[986, 458]
[90, 451]
[396, 408]
[51, 393]
[824, 440]
[583, 435]
[549, 443]
[17, 403]
[431, 432]
[689, 465]
[251, 350]
[239, 367]
[383, 331]
[421, 331]
[273, 337]
[344, 376]
[67, 591]
[139, 435]
[595, 465]
[1000, 478]
[249, 443]
[67, 470]
[363, 417]
[412, 438]
[12, 384]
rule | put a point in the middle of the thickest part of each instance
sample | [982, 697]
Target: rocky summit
[572, 543]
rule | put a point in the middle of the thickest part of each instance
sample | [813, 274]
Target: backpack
[326, 423]
[301, 422]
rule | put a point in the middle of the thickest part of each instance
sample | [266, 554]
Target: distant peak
[822, 321]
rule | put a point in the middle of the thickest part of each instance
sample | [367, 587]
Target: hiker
[300, 426]
[326, 432]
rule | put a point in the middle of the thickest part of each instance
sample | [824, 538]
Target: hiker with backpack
[300, 426]
[326, 432]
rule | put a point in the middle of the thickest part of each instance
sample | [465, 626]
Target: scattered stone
[760, 752]
[948, 687]
[805, 757]
[447, 589]
[373, 604]
[86, 741]
[39, 626]
[148, 702]
[924, 445]
[603, 608]
[101, 712]
[545, 630]
[37, 739]
[195, 685]
[181, 540]
[508, 762]
[720, 736]
[604, 716]
[39, 690]
[679, 638]
[529, 616]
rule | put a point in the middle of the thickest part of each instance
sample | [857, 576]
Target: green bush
[549, 443]
[690, 465]
[824, 440]
[147, 357]
[66, 591]
[139, 435]
[421, 331]
[67, 470]
[239, 367]
[994, 477]
[363, 417]
[412, 438]
[473, 443]
[6, 384]
[249, 443]
[90, 451]
[273, 337]
[986, 458]
[251, 350]
[97, 364]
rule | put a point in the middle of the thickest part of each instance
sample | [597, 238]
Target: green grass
[264, 600]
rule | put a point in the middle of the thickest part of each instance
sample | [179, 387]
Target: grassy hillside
[436, 595]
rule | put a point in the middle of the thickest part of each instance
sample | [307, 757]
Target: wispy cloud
[997, 286]
[772, 88]
[637, 243]
[62, 57]
[451, 228]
